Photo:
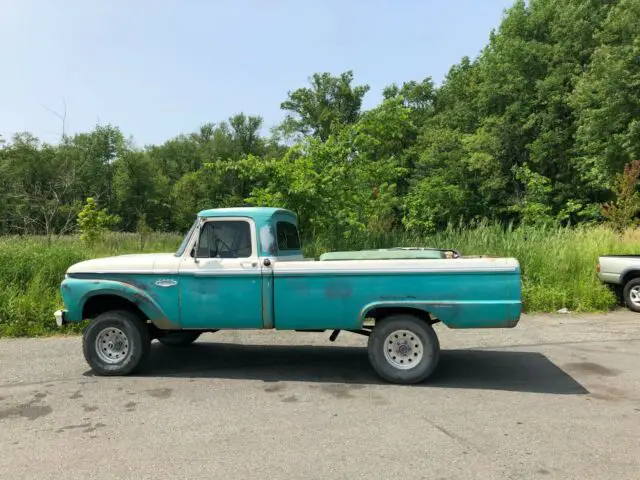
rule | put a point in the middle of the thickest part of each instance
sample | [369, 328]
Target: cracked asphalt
[555, 397]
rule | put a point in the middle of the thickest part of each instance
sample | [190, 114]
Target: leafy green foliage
[621, 213]
[329, 104]
[607, 100]
[94, 222]
[534, 207]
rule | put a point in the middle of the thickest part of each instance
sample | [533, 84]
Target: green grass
[558, 265]
[31, 272]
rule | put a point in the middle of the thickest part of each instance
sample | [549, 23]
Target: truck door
[222, 286]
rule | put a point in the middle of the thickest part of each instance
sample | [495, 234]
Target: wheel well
[379, 313]
[630, 276]
[104, 303]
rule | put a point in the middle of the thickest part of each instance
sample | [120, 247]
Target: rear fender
[457, 313]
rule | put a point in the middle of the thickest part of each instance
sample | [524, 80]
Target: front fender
[76, 292]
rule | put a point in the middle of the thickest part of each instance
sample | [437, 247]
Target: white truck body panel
[613, 268]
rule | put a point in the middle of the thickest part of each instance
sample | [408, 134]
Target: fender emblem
[166, 282]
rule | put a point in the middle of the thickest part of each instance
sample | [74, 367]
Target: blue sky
[160, 68]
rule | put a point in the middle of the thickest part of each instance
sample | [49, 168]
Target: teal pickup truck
[243, 268]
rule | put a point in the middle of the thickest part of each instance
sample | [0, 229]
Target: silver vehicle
[623, 272]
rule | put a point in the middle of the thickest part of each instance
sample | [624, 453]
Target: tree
[140, 189]
[329, 104]
[245, 133]
[41, 182]
[94, 155]
[621, 212]
[607, 101]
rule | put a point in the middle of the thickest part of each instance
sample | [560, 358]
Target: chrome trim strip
[222, 273]
[294, 271]
[124, 272]
[363, 271]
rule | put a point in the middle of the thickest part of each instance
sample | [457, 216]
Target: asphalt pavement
[556, 397]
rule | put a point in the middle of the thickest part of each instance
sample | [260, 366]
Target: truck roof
[252, 212]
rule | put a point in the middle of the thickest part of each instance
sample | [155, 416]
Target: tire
[126, 343]
[631, 290]
[179, 339]
[392, 357]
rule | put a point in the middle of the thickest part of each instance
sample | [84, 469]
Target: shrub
[621, 213]
[94, 222]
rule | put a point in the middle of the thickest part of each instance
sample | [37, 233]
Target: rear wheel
[116, 343]
[403, 349]
[179, 339]
[631, 294]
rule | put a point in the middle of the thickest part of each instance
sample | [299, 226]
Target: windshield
[186, 238]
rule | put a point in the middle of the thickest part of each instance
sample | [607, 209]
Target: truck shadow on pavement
[529, 372]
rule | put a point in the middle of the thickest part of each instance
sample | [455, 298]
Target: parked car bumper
[609, 277]
[60, 317]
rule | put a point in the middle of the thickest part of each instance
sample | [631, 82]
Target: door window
[225, 239]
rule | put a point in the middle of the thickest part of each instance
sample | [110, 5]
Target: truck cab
[240, 247]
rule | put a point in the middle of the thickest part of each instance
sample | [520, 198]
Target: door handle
[248, 264]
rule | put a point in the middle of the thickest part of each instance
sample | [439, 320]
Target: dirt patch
[73, 427]
[85, 427]
[26, 410]
[30, 410]
[162, 393]
[94, 428]
[278, 387]
[338, 391]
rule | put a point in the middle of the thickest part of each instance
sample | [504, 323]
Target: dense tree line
[536, 129]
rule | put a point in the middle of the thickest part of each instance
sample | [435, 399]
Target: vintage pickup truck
[243, 268]
[622, 272]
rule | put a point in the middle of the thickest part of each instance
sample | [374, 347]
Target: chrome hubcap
[112, 345]
[403, 349]
[634, 295]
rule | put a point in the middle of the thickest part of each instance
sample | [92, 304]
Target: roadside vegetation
[529, 150]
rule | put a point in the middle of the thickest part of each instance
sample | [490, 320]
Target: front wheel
[403, 349]
[116, 343]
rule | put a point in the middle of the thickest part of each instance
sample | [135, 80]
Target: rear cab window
[287, 238]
